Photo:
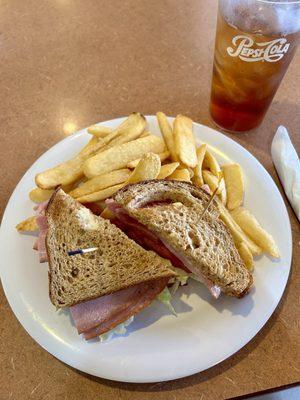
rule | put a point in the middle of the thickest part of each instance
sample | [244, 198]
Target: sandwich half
[103, 288]
[166, 216]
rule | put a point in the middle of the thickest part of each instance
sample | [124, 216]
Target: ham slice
[94, 317]
[147, 239]
[94, 207]
[141, 235]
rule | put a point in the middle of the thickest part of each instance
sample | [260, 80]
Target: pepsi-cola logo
[248, 50]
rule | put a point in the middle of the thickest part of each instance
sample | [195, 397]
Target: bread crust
[118, 264]
[205, 242]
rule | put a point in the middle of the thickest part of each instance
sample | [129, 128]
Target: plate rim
[192, 371]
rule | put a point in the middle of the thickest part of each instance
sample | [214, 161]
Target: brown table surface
[66, 64]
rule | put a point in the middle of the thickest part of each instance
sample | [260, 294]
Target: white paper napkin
[287, 164]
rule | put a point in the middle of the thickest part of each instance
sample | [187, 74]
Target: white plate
[159, 346]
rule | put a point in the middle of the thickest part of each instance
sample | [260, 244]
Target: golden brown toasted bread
[118, 263]
[204, 242]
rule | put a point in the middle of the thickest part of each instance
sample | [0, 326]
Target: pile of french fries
[130, 153]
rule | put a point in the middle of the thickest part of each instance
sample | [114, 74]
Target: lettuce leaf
[165, 298]
[180, 280]
[118, 330]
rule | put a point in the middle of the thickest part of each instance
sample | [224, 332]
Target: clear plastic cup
[255, 43]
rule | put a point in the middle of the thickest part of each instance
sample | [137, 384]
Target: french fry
[167, 133]
[184, 141]
[148, 168]
[191, 171]
[101, 182]
[28, 225]
[222, 189]
[128, 135]
[183, 166]
[62, 174]
[210, 162]
[234, 183]
[133, 164]
[99, 131]
[134, 122]
[246, 255]
[72, 170]
[237, 233]
[198, 179]
[163, 156]
[107, 214]
[167, 169]
[213, 182]
[91, 143]
[100, 195]
[180, 175]
[72, 186]
[145, 133]
[38, 195]
[119, 156]
[253, 229]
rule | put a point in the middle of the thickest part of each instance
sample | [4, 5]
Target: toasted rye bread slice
[119, 262]
[204, 242]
